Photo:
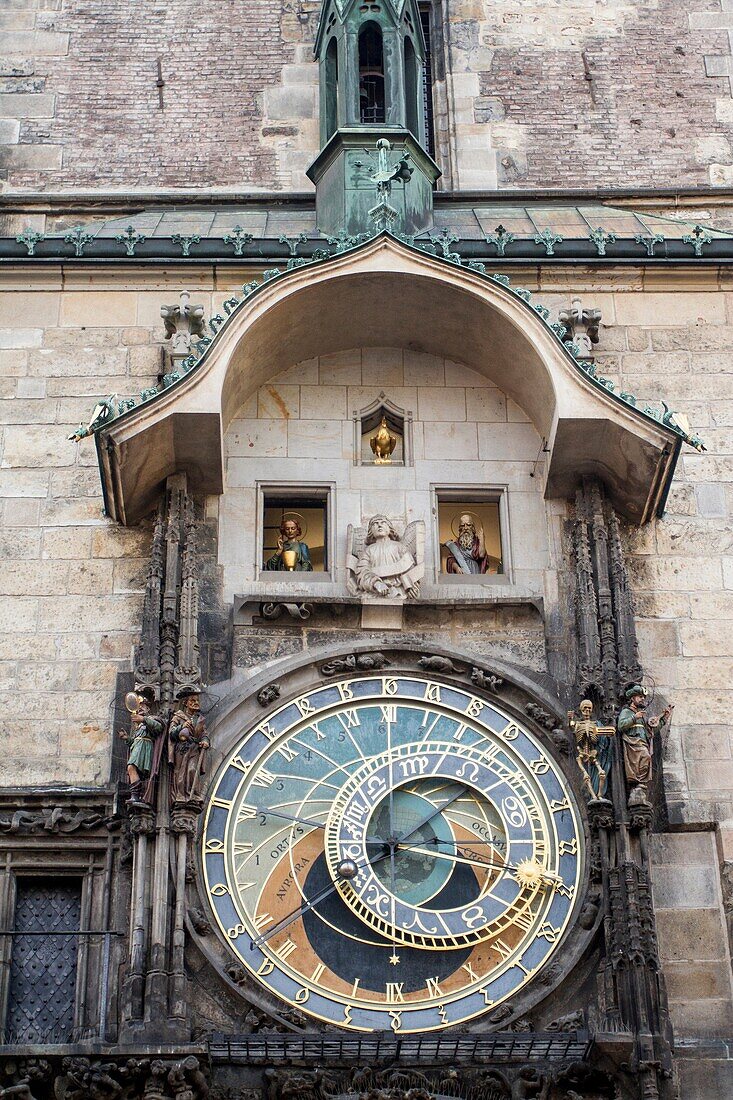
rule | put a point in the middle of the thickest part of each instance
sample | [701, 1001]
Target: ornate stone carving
[383, 564]
[440, 664]
[363, 662]
[541, 716]
[268, 694]
[187, 675]
[182, 322]
[606, 634]
[294, 610]
[133, 1079]
[581, 326]
[486, 680]
[55, 819]
[147, 656]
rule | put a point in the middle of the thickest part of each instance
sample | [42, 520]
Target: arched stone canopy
[386, 293]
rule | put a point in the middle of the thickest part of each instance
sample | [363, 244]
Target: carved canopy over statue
[383, 564]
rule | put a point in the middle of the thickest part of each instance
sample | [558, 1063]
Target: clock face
[391, 852]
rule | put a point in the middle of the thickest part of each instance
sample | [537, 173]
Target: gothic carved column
[167, 663]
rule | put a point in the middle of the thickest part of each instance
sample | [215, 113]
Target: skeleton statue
[593, 749]
[381, 563]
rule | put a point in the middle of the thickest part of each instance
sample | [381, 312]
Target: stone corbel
[582, 326]
[182, 322]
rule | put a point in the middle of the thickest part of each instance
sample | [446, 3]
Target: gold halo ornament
[299, 519]
[477, 521]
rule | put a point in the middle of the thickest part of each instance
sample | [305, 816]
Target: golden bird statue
[383, 444]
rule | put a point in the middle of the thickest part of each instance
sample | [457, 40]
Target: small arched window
[411, 89]
[332, 77]
[371, 74]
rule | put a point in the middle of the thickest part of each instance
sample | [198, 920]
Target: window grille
[426, 19]
[43, 962]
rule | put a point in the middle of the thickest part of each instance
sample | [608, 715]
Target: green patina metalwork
[185, 242]
[110, 408]
[79, 239]
[131, 239]
[441, 244]
[292, 244]
[549, 240]
[500, 238]
[650, 242]
[698, 239]
[30, 239]
[600, 238]
[238, 238]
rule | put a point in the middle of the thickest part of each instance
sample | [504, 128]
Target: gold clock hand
[324, 893]
[452, 857]
[548, 877]
[429, 817]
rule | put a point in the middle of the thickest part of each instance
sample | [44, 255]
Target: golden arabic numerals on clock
[389, 852]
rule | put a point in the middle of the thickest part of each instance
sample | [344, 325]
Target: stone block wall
[693, 939]
[70, 582]
[528, 94]
[299, 427]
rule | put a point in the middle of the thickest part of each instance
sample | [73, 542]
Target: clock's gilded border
[296, 676]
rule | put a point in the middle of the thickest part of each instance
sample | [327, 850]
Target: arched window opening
[411, 89]
[371, 74]
[332, 76]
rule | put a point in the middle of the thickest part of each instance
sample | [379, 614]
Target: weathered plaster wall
[529, 93]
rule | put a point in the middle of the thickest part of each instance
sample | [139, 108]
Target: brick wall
[529, 94]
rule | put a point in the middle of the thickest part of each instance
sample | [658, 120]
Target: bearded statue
[467, 552]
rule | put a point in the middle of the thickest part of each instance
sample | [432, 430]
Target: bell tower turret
[371, 56]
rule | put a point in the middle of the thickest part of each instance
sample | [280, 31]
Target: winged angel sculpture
[383, 564]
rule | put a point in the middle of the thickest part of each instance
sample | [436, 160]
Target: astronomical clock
[390, 852]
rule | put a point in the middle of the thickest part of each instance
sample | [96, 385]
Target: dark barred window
[426, 18]
[43, 961]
